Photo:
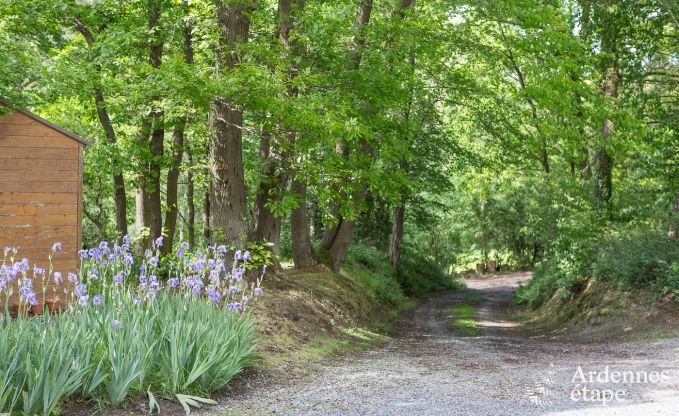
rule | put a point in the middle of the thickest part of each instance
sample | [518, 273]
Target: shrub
[639, 258]
[181, 339]
[419, 275]
[370, 268]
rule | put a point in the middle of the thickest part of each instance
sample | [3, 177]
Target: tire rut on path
[428, 369]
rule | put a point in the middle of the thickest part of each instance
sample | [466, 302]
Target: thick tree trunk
[397, 238]
[191, 205]
[302, 252]
[171, 190]
[229, 213]
[267, 226]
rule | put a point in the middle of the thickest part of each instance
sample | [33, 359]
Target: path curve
[428, 369]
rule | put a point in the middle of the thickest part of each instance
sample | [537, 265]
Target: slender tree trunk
[603, 184]
[119, 193]
[229, 211]
[337, 239]
[157, 116]
[302, 251]
[207, 235]
[276, 170]
[178, 135]
[171, 192]
[584, 165]
[142, 218]
[397, 238]
[191, 205]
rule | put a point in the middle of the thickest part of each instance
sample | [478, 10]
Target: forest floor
[466, 353]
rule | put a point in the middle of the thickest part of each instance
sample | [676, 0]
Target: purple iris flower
[58, 278]
[96, 300]
[72, 278]
[55, 247]
[246, 255]
[214, 296]
[174, 282]
[257, 291]
[116, 324]
[81, 290]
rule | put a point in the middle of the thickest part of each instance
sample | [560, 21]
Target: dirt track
[428, 369]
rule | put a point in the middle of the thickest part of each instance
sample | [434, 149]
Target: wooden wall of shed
[40, 193]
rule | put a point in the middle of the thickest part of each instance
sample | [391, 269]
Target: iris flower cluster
[111, 273]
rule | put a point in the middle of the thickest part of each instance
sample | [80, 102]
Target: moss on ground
[462, 316]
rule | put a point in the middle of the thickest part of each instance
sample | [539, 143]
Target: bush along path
[435, 365]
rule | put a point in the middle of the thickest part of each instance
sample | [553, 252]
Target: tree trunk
[119, 193]
[191, 205]
[229, 211]
[276, 171]
[207, 235]
[155, 206]
[266, 226]
[397, 238]
[142, 217]
[603, 186]
[337, 239]
[299, 225]
[171, 192]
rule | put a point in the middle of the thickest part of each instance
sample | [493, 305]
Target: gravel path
[428, 369]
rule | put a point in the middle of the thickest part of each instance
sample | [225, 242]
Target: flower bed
[125, 328]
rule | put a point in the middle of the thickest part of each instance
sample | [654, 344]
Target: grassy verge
[462, 317]
[314, 312]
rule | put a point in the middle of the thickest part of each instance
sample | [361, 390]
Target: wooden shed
[41, 190]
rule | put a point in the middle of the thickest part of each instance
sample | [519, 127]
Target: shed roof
[51, 125]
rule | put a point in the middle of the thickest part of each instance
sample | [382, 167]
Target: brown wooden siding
[40, 193]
